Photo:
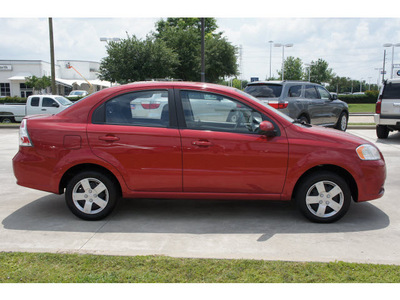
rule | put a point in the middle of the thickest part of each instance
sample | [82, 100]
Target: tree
[183, 35]
[293, 69]
[38, 83]
[132, 59]
[319, 71]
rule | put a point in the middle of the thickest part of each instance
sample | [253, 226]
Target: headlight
[368, 152]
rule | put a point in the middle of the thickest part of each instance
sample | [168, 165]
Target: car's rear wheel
[7, 120]
[382, 131]
[304, 119]
[323, 197]
[342, 122]
[91, 195]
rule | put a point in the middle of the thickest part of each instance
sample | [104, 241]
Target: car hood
[328, 135]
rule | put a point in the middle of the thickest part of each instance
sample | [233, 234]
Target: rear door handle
[202, 143]
[109, 138]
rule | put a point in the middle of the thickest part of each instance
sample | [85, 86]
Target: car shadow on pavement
[392, 139]
[266, 218]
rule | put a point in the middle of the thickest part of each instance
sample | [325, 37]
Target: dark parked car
[309, 102]
[207, 142]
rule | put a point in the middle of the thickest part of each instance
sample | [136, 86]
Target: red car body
[182, 163]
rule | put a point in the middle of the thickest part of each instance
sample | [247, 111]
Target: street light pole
[106, 39]
[392, 45]
[270, 59]
[283, 57]
[53, 68]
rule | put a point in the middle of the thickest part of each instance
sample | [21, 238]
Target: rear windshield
[264, 90]
[391, 91]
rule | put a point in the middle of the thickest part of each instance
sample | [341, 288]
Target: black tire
[382, 131]
[323, 197]
[304, 119]
[85, 201]
[342, 122]
[7, 120]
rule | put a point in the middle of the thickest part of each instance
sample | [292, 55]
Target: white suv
[387, 113]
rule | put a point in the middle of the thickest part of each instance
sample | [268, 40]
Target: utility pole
[53, 68]
[203, 64]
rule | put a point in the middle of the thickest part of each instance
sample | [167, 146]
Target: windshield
[264, 90]
[63, 101]
[77, 93]
[266, 105]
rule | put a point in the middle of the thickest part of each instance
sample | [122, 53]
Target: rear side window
[264, 90]
[391, 91]
[311, 92]
[295, 91]
[148, 108]
[35, 101]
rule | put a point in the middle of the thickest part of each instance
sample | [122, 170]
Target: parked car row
[309, 102]
[36, 104]
[387, 113]
[198, 141]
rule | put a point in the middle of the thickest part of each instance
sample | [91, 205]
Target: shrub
[12, 100]
[368, 97]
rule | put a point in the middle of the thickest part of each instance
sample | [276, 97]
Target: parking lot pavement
[36, 221]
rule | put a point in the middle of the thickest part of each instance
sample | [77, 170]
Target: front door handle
[202, 143]
[109, 138]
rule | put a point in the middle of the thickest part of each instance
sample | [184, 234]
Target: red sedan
[192, 141]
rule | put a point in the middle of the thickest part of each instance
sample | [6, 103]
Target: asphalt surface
[35, 221]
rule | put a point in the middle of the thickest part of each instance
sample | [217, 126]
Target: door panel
[222, 151]
[132, 132]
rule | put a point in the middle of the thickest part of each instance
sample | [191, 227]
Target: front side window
[206, 111]
[148, 108]
[48, 102]
[324, 93]
[311, 92]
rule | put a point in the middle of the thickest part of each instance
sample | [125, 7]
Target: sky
[351, 42]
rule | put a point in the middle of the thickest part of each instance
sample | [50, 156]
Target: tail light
[278, 105]
[378, 105]
[24, 139]
[151, 104]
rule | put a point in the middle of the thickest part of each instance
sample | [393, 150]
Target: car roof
[279, 82]
[394, 80]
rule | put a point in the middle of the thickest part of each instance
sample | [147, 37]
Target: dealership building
[70, 75]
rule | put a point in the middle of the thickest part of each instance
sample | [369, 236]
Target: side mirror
[55, 105]
[267, 128]
[333, 97]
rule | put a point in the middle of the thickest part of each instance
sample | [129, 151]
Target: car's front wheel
[91, 195]
[323, 197]
[342, 122]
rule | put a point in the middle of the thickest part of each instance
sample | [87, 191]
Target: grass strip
[75, 268]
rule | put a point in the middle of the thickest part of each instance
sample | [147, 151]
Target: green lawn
[58, 268]
[362, 108]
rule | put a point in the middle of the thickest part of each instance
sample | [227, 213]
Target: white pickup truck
[35, 105]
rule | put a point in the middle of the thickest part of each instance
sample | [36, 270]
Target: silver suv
[308, 102]
[387, 113]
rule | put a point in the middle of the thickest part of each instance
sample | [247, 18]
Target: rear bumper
[392, 121]
[32, 171]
